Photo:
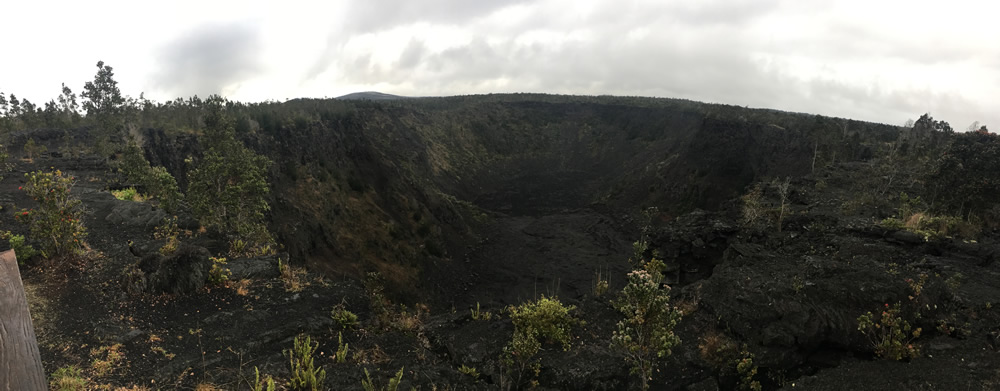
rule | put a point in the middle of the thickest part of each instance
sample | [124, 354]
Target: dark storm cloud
[205, 60]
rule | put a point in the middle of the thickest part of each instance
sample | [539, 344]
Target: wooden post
[20, 362]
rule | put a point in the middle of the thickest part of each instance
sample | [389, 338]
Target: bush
[57, 222]
[128, 194]
[746, 371]
[228, 186]
[33, 150]
[548, 319]
[218, 274]
[22, 249]
[344, 318]
[170, 232]
[304, 375]
[889, 334]
[4, 165]
[647, 332]
[156, 181]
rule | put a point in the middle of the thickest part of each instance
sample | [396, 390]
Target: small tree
[228, 186]
[783, 196]
[156, 181]
[5, 166]
[647, 332]
[57, 222]
[32, 149]
[753, 206]
[104, 104]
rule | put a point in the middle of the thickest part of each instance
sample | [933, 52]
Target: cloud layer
[882, 61]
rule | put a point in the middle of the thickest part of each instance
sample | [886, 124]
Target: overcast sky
[883, 61]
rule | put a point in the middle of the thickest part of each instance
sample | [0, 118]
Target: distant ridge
[370, 95]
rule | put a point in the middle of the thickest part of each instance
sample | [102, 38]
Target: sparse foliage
[889, 334]
[647, 332]
[33, 150]
[57, 222]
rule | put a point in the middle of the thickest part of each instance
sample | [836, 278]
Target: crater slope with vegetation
[505, 241]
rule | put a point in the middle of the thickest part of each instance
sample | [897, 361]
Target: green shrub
[380, 304]
[22, 249]
[548, 319]
[469, 371]
[156, 181]
[746, 371]
[68, 378]
[128, 194]
[344, 318]
[890, 335]
[368, 385]
[57, 222]
[228, 187]
[647, 332]
[304, 375]
[171, 233]
[5, 166]
[33, 150]
[218, 274]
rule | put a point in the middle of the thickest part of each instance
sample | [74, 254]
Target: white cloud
[883, 61]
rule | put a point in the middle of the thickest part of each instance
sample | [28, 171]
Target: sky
[883, 61]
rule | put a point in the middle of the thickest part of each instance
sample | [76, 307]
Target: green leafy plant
[342, 347]
[344, 318]
[601, 284]
[304, 375]
[266, 385]
[647, 332]
[228, 187]
[477, 314]
[57, 222]
[889, 334]
[22, 249]
[32, 149]
[68, 378]
[219, 274]
[746, 370]
[128, 194]
[168, 231]
[545, 319]
[156, 181]
[380, 304]
[469, 371]
[5, 166]
[368, 385]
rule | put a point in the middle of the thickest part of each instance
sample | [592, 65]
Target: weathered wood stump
[20, 362]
